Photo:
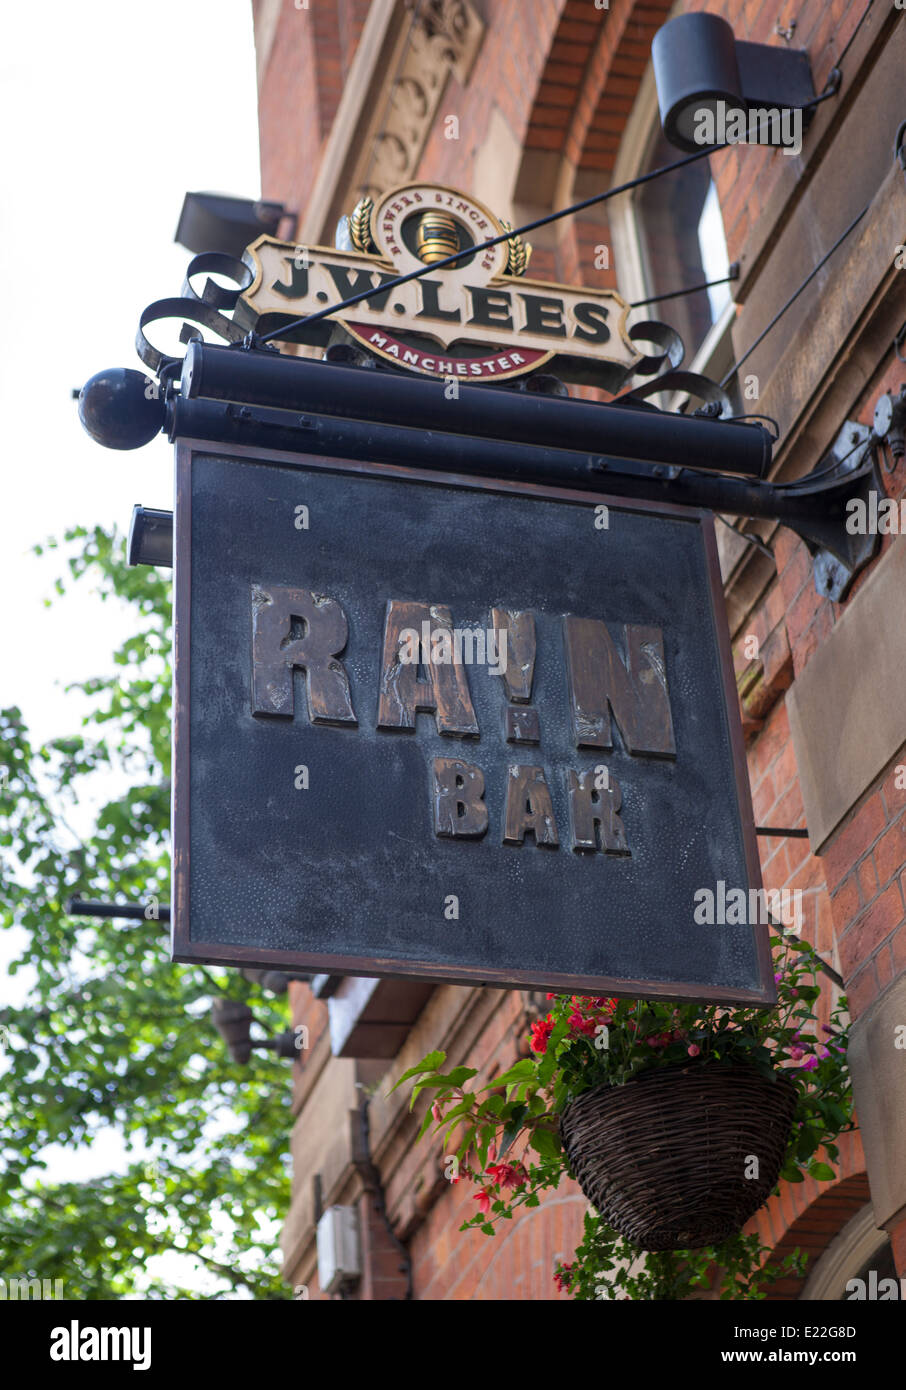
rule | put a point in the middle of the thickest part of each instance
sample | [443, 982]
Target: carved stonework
[444, 38]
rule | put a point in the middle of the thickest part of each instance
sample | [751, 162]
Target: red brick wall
[300, 90]
[564, 79]
[745, 178]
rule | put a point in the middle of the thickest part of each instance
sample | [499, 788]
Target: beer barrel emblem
[437, 237]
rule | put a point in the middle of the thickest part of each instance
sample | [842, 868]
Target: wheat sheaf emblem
[520, 252]
[360, 225]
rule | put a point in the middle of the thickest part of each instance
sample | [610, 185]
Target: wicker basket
[664, 1158]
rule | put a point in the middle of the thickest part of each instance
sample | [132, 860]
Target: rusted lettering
[529, 807]
[519, 626]
[445, 693]
[591, 809]
[600, 683]
[459, 808]
[296, 628]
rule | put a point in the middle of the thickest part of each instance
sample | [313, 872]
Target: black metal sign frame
[636, 941]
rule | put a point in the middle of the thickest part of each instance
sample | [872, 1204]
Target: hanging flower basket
[664, 1158]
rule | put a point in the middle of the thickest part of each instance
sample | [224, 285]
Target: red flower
[437, 1112]
[563, 1276]
[507, 1174]
[693, 1049]
[541, 1031]
[483, 1199]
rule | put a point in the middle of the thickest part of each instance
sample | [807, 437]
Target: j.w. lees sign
[503, 324]
[454, 731]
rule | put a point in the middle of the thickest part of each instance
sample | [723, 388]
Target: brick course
[564, 82]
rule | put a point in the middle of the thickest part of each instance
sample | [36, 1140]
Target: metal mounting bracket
[839, 553]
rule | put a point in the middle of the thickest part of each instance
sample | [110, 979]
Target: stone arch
[811, 1214]
[586, 92]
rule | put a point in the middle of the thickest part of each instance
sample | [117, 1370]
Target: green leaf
[545, 1142]
[822, 1171]
[425, 1124]
[511, 1129]
[429, 1063]
[522, 1069]
[457, 1076]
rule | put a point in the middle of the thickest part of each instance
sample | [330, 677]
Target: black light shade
[216, 222]
[694, 58]
[150, 537]
[699, 63]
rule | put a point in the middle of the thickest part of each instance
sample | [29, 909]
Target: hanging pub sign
[478, 319]
[456, 730]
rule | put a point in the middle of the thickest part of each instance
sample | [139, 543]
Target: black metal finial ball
[121, 408]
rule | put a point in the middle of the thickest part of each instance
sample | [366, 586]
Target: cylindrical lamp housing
[276, 382]
[695, 67]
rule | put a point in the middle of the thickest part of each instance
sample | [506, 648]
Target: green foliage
[585, 1043]
[112, 1035]
[608, 1267]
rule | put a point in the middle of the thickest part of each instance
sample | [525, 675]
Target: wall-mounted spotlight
[698, 64]
[217, 222]
[233, 1021]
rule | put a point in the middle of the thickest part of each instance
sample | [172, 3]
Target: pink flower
[507, 1174]
[796, 1053]
[810, 1064]
[437, 1112]
[693, 1049]
[823, 1052]
[483, 1199]
[778, 977]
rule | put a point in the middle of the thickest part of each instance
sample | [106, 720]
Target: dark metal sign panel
[456, 731]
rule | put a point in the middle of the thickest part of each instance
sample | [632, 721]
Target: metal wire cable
[693, 289]
[808, 478]
[793, 297]
[705, 152]
[460, 255]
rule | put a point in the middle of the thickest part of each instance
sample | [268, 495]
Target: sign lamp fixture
[705, 76]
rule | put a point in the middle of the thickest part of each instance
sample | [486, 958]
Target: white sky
[111, 110]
